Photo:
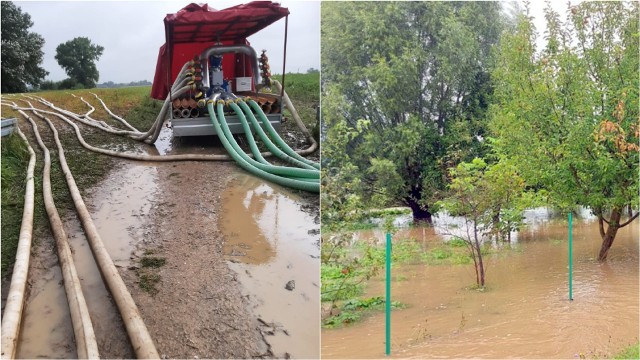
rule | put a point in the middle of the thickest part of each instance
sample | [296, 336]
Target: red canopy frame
[197, 27]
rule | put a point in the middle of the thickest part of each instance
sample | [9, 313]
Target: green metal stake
[570, 256]
[388, 298]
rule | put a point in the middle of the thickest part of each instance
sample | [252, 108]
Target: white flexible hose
[12, 315]
[85, 338]
[138, 334]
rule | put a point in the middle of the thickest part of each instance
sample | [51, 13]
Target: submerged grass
[344, 276]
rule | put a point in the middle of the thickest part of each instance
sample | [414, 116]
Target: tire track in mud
[198, 309]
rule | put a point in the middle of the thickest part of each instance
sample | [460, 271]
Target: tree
[418, 74]
[77, 57]
[568, 115]
[491, 199]
[21, 51]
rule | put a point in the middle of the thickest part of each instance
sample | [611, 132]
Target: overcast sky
[132, 33]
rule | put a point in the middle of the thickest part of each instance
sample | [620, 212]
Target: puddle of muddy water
[167, 144]
[118, 208]
[269, 244]
[524, 313]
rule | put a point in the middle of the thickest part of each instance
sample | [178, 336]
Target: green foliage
[353, 309]
[77, 57]
[21, 51]
[417, 73]
[567, 115]
[491, 198]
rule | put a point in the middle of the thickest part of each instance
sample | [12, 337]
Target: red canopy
[196, 27]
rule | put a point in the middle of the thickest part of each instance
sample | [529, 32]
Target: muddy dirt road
[170, 229]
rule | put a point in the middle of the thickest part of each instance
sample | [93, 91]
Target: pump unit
[224, 65]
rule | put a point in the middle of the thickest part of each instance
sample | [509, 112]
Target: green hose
[248, 134]
[276, 170]
[293, 183]
[277, 138]
[254, 147]
[270, 145]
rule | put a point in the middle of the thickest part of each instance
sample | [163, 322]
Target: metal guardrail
[7, 126]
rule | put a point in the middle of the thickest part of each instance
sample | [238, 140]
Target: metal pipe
[185, 112]
[194, 113]
[284, 58]
[177, 113]
[223, 49]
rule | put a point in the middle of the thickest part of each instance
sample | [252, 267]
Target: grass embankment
[304, 92]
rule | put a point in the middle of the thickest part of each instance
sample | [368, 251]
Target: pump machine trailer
[225, 66]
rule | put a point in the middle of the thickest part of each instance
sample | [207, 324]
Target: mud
[272, 245]
[200, 307]
[525, 311]
[122, 198]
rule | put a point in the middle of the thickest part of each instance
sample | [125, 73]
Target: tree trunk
[420, 214]
[480, 266]
[610, 234]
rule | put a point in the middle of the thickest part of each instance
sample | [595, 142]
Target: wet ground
[273, 248]
[525, 311]
[118, 208]
[204, 304]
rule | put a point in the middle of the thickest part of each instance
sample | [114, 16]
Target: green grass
[152, 262]
[632, 352]
[147, 278]
[148, 282]
[15, 159]
[304, 92]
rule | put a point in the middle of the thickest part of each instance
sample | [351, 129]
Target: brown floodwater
[271, 242]
[118, 211]
[525, 311]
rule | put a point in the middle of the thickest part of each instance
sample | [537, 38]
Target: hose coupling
[220, 102]
[202, 103]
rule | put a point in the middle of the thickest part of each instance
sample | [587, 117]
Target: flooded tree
[490, 198]
[567, 115]
[417, 73]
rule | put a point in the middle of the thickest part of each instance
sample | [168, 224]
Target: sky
[132, 33]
